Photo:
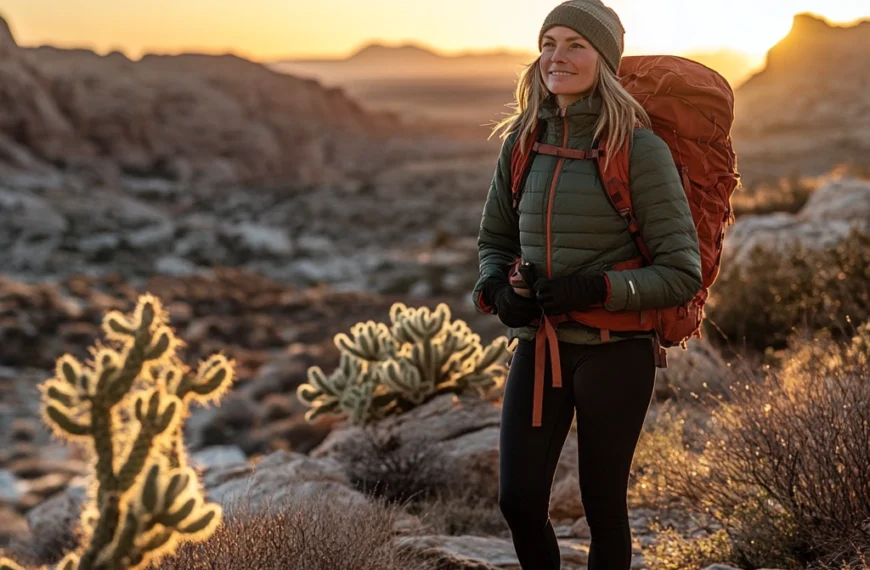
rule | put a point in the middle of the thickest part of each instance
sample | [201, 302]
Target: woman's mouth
[561, 74]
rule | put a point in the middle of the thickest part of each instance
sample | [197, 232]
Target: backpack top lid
[680, 95]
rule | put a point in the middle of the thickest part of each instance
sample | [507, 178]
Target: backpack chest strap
[563, 152]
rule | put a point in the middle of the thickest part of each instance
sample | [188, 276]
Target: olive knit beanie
[594, 21]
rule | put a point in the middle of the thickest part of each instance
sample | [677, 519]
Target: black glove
[513, 310]
[572, 293]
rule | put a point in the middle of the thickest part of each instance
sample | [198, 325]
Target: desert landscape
[271, 207]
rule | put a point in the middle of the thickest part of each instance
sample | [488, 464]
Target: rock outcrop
[829, 215]
[195, 119]
[808, 110]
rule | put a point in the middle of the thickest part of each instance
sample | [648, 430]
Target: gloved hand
[513, 310]
[571, 293]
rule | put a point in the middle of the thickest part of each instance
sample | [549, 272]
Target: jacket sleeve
[498, 241]
[668, 229]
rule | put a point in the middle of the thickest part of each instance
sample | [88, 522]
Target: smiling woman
[557, 209]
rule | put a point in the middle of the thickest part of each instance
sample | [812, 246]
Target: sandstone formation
[808, 110]
[193, 119]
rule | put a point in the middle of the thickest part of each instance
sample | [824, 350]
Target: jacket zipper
[549, 224]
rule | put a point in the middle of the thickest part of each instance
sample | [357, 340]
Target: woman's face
[568, 64]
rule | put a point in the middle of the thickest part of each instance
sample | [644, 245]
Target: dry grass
[307, 533]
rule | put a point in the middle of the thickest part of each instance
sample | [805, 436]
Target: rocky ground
[274, 333]
[461, 434]
[409, 229]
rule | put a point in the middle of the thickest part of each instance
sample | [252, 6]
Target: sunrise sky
[274, 29]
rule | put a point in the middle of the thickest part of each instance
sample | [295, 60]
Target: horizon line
[239, 51]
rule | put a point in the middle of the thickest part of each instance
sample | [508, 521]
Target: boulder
[826, 219]
[278, 476]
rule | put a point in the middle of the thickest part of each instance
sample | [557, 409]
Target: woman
[569, 232]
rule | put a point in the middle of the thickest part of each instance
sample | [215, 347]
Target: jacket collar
[581, 114]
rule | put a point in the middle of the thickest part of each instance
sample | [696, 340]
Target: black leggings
[610, 385]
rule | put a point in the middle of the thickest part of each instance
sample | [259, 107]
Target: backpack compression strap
[616, 181]
[521, 161]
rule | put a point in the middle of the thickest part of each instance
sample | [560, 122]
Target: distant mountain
[377, 53]
[376, 62]
[808, 110]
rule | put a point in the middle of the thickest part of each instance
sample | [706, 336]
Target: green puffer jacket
[587, 235]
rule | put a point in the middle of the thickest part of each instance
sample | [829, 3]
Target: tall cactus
[387, 370]
[127, 408]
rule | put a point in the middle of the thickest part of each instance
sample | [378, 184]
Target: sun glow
[273, 29]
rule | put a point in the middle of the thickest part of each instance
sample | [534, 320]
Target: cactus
[128, 408]
[387, 370]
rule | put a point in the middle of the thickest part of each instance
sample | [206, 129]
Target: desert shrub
[456, 510]
[661, 444]
[413, 471]
[672, 551]
[386, 371]
[773, 295]
[126, 407]
[313, 532]
[786, 470]
[383, 463]
[784, 194]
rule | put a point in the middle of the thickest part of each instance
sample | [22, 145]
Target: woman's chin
[562, 88]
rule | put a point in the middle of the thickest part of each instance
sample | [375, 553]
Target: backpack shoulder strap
[616, 180]
[521, 162]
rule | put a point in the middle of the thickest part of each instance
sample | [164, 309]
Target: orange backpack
[691, 108]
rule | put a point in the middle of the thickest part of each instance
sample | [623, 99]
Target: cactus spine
[387, 370]
[128, 408]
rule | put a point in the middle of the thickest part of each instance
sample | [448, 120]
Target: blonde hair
[620, 112]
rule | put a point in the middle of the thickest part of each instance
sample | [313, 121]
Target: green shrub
[386, 371]
[127, 406]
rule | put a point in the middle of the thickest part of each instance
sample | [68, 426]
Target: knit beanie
[594, 21]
